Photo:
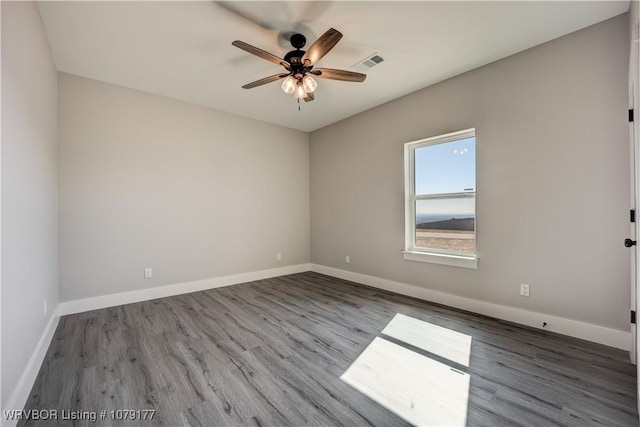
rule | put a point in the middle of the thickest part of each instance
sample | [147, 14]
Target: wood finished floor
[270, 353]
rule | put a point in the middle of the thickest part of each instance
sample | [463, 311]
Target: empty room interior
[319, 213]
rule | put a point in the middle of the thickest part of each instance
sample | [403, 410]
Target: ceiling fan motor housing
[294, 57]
[298, 70]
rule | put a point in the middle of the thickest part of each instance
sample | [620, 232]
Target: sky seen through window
[449, 167]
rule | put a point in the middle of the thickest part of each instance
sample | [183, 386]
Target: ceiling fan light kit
[300, 93]
[289, 84]
[299, 65]
[309, 84]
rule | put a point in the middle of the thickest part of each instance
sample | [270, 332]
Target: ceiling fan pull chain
[298, 104]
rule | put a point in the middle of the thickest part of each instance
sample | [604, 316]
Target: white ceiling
[183, 49]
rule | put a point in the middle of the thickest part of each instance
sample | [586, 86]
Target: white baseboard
[104, 301]
[21, 393]
[561, 325]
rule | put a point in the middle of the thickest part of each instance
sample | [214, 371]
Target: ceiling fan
[299, 65]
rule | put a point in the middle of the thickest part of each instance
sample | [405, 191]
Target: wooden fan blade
[321, 47]
[310, 97]
[261, 53]
[264, 81]
[333, 74]
[279, 13]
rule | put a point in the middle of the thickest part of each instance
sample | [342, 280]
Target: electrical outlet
[524, 290]
[148, 273]
[278, 256]
[347, 260]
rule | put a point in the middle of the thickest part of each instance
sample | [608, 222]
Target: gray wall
[553, 180]
[193, 193]
[29, 188]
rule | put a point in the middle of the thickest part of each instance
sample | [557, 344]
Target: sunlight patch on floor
[444, 342]
[420, 390]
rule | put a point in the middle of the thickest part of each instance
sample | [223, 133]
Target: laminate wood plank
[271, 353]
[320, 392]
[223, 391]
[270, 393]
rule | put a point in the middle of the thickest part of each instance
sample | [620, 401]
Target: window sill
[445, 259]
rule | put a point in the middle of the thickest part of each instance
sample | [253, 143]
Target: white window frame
[412, 252]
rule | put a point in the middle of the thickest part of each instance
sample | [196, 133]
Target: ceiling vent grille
[369, 62]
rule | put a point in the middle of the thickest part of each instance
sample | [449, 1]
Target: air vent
[369, 62]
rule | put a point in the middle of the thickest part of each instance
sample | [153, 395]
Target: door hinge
[631, 115]
[633, 317]
[632, 215]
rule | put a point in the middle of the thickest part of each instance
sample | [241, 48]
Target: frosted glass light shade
[309, 84]
[289, 84]
[300, 92]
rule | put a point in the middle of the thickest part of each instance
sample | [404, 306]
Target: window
[440, 197]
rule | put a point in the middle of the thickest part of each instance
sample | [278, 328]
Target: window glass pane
[449, 167]
[446, 224]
